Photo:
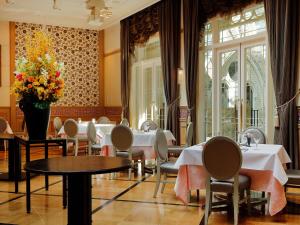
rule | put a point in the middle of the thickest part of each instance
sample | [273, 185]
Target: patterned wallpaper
[79, 50]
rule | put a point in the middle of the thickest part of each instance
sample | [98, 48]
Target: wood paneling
[113, 113]
[85, 113]
[5, 113]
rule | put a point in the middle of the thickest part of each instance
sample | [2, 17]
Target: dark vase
[37, 120]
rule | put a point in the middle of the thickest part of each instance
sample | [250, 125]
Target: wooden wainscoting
[5, 113]
[113, 113]
[85, 113]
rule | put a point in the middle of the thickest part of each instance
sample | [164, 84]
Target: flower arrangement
[38, 76]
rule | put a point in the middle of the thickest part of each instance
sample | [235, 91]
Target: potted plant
[38, 83]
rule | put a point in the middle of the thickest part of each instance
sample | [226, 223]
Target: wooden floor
[115, 202]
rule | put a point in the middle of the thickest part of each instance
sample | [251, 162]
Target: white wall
[112, 66]
[5, 83]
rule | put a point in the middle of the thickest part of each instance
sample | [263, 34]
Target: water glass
[256, 140]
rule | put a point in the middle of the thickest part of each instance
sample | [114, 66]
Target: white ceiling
[71, 13]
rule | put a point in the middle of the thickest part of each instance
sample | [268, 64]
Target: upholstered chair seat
[227, 185]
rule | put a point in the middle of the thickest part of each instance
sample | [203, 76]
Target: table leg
[64, 153]
[46, 176]
[28, 192]
[79, 199]
[11, 159]
[28, 179]
[17, 165]
[64, 191]
[64, 145]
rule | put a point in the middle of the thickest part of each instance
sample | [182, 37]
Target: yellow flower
[36, 83]
[42, 80]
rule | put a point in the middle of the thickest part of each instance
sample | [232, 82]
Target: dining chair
[3, 128]
[293, 182]
[293, 178]
[92, 138]
[103, 120]
[164, 167]
[176, 150]
[254, 131]
[122, 139]
[222, 160]
[124, 122]
[71, 130]
[57, 124]
[148, 125]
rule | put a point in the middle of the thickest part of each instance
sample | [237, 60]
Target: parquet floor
[115, 202]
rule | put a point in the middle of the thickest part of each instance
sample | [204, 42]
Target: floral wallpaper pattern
[79, 50]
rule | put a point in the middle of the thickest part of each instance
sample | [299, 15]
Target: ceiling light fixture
[55, 5]
[99, 12]
[10, 2]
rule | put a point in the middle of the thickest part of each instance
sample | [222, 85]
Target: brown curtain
[283, 31]
[191, 32]
[143, 25]
[169, 32]
[125, 57]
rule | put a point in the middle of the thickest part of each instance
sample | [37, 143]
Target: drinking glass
[256, 140]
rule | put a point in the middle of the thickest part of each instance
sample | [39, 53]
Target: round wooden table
[78, 170]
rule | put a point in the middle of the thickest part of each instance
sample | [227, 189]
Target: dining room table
[82, 129]
[264, 164]
[143, 140]
[79, 171]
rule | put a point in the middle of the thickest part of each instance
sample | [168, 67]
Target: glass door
[241, 89]
[254, 60]
[147, 100]
[229, 93]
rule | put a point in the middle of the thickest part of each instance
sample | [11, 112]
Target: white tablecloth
[140, 138]
[265, 157]
[82, 129]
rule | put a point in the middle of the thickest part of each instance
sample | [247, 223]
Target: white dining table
[141, 140]
[264, 164]
[82, 129]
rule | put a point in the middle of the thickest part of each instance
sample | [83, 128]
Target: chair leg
[76, 147]
[236, 205]
[263, 206]
[129, 173]
[198, 194]
[248, 194]
[164, 184]
[143, 166]
[157, 183]
[207, 200]
[5, 149]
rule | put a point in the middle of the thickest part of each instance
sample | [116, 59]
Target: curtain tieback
[281, 107]
[189, 118]
[173, 103]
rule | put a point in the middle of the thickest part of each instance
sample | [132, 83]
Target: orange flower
[30, 79]
[29, 85]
